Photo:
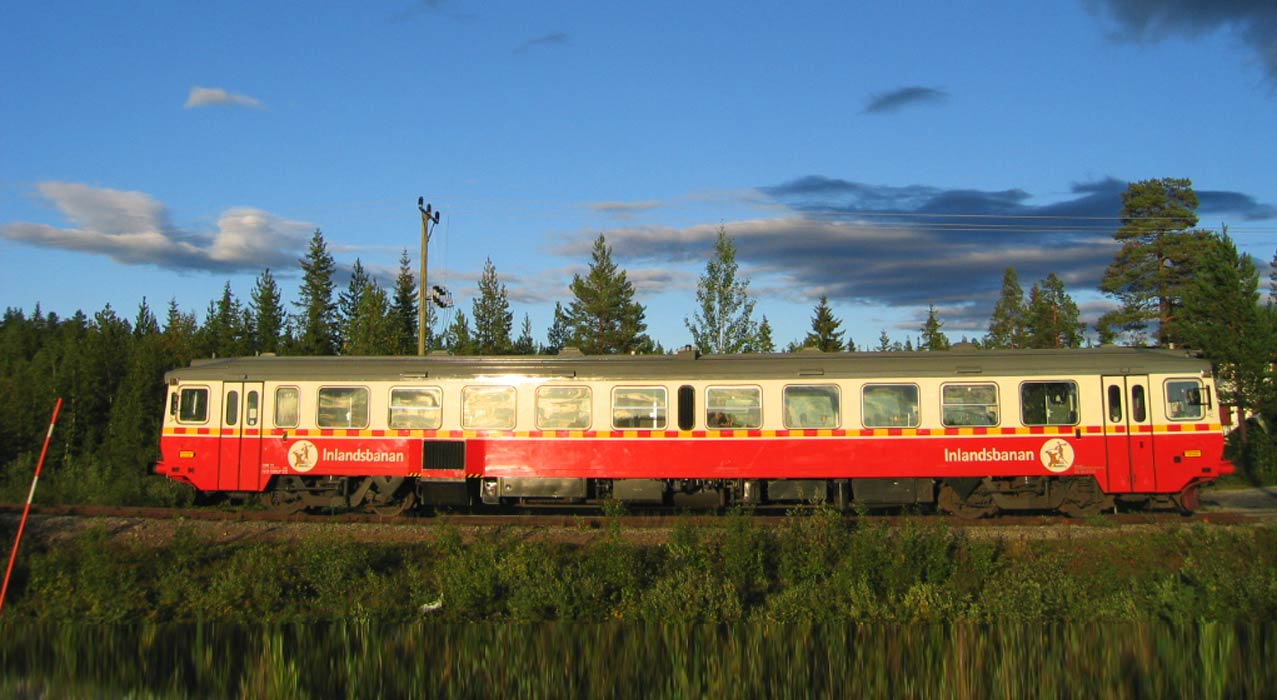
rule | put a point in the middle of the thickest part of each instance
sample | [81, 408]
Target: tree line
[1174, 286]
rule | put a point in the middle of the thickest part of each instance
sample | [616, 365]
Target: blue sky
[889, 157]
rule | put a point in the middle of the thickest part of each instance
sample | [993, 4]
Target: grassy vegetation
[813, 568]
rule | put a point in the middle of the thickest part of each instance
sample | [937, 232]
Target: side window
[890, 405]
[343, 407]
[812, 406]
[733, 407]
[192, 406]
[489, 407]
[1184, 399]
[639, 407]
[251, 403]
[1048, 403]
[287, 401]
[969, 404]
[1115, 403]
[232, 408]
[415, 408]
[563, 407]
[1139, 404]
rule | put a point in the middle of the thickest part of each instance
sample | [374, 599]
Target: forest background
[1173, 285]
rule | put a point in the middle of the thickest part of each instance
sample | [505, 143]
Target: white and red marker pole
[26, 510]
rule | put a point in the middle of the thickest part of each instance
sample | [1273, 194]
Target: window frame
[915, 419]
[588, 398]
[838, 407]
[297, 408]
[1166, 399]
[471, 391]
[997, 405]
[181, 414]
[664, 407]
[351, 425]
[755, 410]
[425, 411]
[1076, 409]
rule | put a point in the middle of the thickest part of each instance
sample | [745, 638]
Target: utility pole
[427, 217]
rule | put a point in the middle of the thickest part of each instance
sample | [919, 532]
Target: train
[971, 433]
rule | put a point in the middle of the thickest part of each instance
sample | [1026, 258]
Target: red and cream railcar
[973, 432]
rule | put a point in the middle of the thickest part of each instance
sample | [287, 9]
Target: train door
[239, 462]
[1128, 434]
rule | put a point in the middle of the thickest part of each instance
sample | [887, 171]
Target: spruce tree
[559, 334]
[825, 334]
[884, 342]
[493, 320]
[603, 315]
[370, 329]
[267, 308]
[316, 320]
[722, 322]
[933, 340]
[1006, 326]
[403, 308]
[765, 342]
[458, 339]
[526, 344]
[348, 301]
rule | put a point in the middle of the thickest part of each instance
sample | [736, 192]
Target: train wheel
[387, 495]
[285, 497]
[1083, 497]
[977, 505]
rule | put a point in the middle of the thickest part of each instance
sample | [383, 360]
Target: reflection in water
[616, 660]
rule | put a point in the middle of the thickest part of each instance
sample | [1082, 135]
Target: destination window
[812, 406]
[639, 407]
[890, 405]
[487, 407]
[733, 407]
[1048, 403]
[969, 404]
[415, 409]
[343, 407]
[563, 407]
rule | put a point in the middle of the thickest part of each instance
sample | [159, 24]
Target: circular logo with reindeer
[303, 455]
[1056, 455]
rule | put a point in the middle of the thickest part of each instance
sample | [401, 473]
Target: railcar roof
[688, 366]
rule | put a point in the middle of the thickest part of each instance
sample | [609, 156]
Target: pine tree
[316, 321]
[722, 322]
[603, 315]
[933, 340]
[1052, 319]
[884, 342]
[1006, 327]
[825, 334]
[267, 309]
[1156, 261]
[493, 320]
[403, 308]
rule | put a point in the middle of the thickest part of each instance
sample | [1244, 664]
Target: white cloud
[133, 228]
[207, 97]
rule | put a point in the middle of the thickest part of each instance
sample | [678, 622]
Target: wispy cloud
[624, 210]
[209, 97]
[133, 228]
[1255, 22]
[546, 40]
[898, 99]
